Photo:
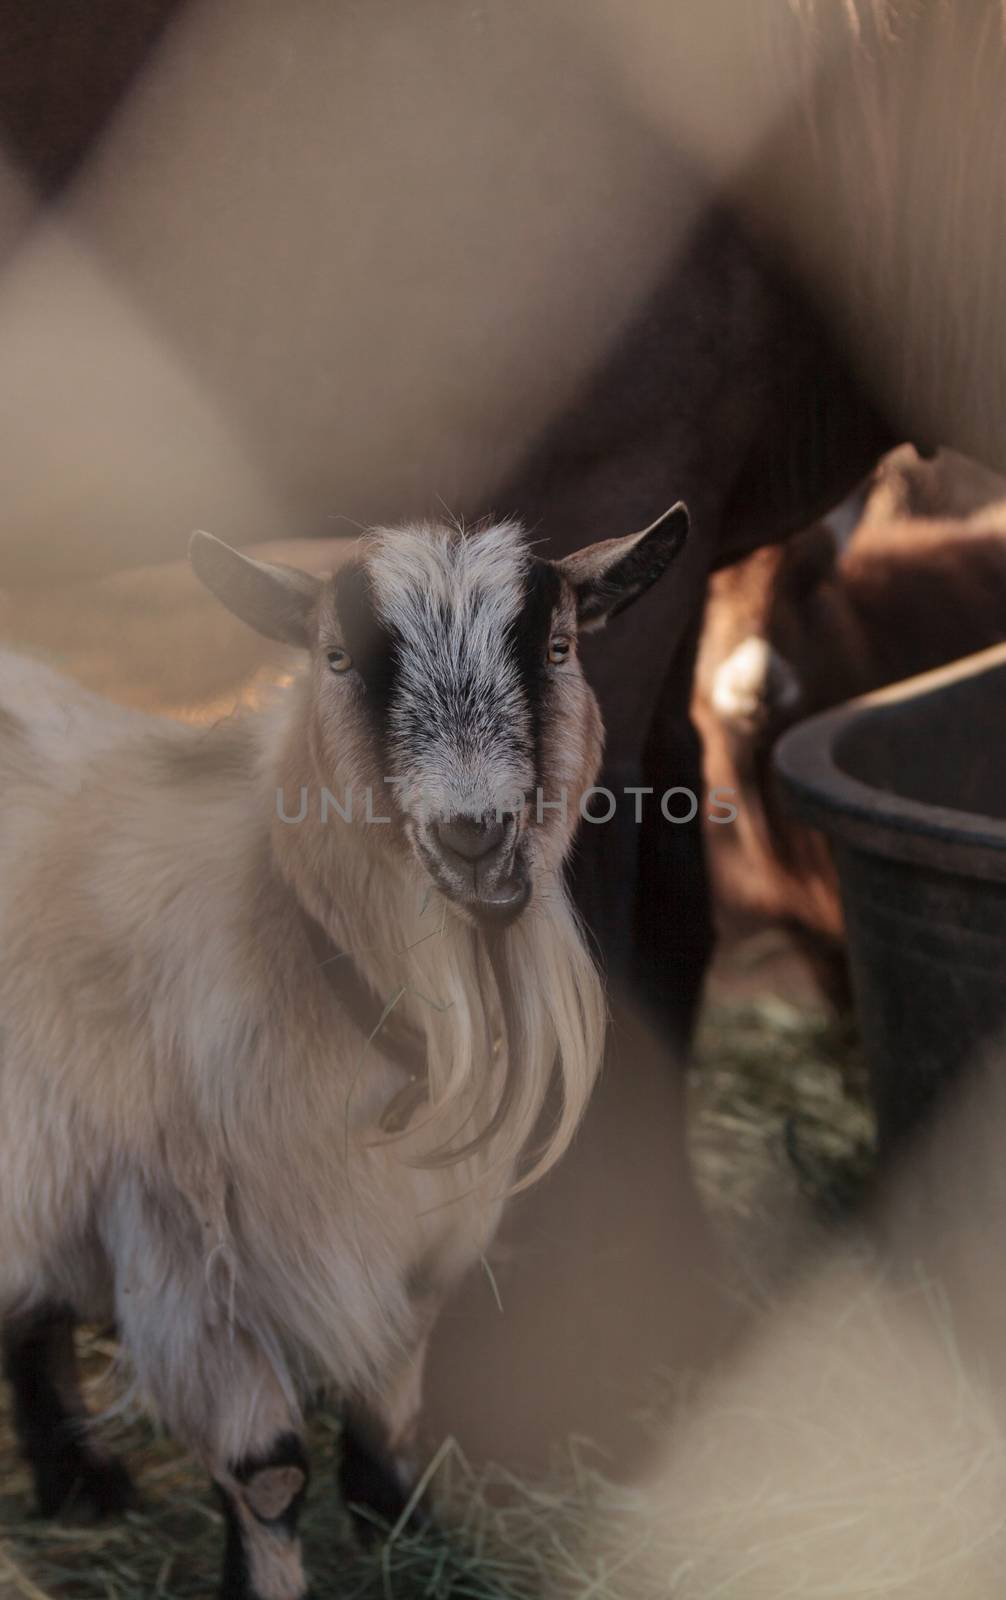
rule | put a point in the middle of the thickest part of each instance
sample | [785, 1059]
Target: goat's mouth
[479, 865]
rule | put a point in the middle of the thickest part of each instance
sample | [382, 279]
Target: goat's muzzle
[478, 863]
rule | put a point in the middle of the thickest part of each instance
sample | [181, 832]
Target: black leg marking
[275, 1484]
[371, 1487]
[71, 1473]
[261, 1506]
[235, 1584]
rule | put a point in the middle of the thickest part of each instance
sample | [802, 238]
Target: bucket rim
[880, 821]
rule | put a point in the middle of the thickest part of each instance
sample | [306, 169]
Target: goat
[279, 1033]
[804, 626]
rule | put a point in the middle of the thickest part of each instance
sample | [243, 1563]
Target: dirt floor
[779, 1134]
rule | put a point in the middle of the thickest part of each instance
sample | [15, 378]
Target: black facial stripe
[372, 645]
[527, 642]
[454, 705]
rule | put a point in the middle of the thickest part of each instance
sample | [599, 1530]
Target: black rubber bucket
[909, 785]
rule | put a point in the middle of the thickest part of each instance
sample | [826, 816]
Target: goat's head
[445, 680]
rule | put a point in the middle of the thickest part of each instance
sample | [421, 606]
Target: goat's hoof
[371, 1527]
[374, 1495]
[84, 1488]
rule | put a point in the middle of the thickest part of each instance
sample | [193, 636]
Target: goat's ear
[276, 601]
[609, 575]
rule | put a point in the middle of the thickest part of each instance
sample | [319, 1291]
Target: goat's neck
[492, 1019]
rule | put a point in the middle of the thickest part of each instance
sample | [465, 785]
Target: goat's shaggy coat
[196, 1131]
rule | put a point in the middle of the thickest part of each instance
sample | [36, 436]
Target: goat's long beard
[513, 1023]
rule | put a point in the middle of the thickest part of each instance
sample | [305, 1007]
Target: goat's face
[447, 688]
[765, 623]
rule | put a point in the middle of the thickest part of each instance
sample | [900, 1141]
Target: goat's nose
[471, 838]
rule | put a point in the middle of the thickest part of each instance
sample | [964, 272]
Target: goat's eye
[340, 660]
[558, 650]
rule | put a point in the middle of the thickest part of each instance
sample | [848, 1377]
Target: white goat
[270, 1064]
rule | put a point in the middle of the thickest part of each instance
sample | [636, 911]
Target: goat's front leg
[251, 1441]
[221, 1396]
[262, 1495]
[377, 1469]
[230, 1409]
